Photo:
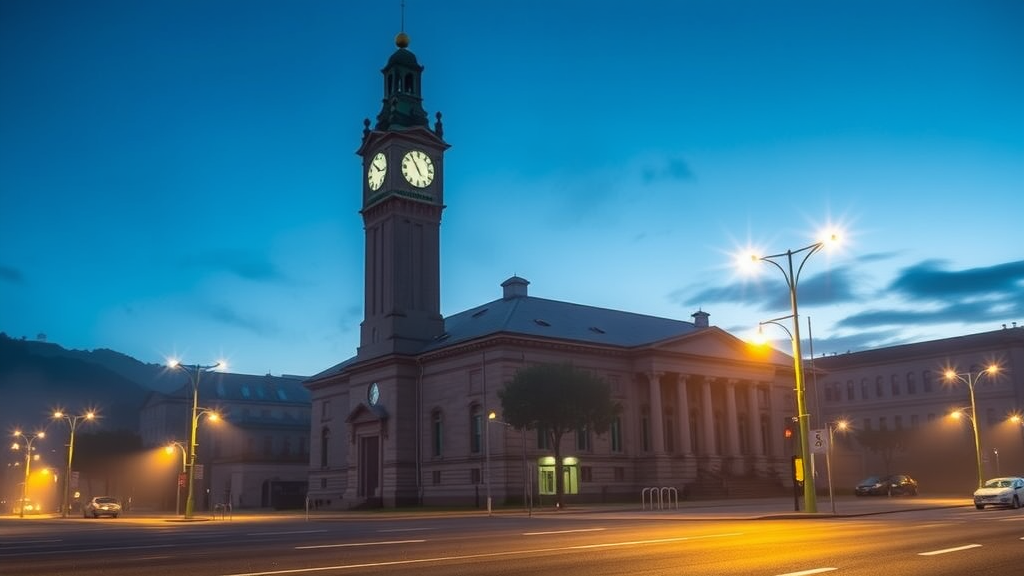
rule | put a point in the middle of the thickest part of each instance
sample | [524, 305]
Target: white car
[1007, 491]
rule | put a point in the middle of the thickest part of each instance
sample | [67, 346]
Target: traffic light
[788, 433]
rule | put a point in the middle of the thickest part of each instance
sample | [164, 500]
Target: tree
[884, 443]
[555, 399]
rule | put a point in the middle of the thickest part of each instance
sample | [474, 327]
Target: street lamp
[29, 439]
[73, 425]
[792, 279]
[951, 376]
[195, 372]
[832, 427]
[169, 449]
[492, 417]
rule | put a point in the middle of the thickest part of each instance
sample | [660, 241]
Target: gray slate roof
[520, 314]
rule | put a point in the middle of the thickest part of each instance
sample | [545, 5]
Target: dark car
[892, 485]
[102, 506]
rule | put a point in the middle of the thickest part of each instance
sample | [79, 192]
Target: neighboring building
[901, 390]
[256, 456]
[405, 422]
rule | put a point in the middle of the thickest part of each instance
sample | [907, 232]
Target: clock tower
[403, 197]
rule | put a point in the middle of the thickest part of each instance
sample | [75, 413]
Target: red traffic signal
[788, 432]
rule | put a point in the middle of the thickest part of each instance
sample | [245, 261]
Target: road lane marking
[806, 572]
[474, 556]
[285, 532]
[407, 530]
[354, 544]
[562, 531]
[947, 550]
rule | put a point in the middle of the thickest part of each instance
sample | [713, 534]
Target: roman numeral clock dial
[377, 171]
[418, 168]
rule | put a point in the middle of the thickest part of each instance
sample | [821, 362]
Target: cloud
[930, 280]
[675, 168]
[244, 265]
[227, 316]
[11, 275]
[832, 287]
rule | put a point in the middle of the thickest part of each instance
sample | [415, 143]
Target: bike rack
[667, 497]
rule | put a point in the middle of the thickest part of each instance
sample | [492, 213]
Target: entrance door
[369, 466]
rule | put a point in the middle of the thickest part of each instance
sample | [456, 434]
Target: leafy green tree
[884, 443]
[556, 399]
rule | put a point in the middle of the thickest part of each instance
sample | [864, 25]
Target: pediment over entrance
[715, 343]
[364, 416]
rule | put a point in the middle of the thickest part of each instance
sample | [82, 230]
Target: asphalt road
[919, 540]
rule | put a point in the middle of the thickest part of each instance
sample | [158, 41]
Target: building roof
[226, 387]
[518, 313]
[1005, 338]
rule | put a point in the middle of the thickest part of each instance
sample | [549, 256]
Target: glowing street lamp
[195, 372]
[951, 376]
[29, 439]
[792, 279]
[169, 449]
[73, 421]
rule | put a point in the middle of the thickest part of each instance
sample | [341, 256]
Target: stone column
[656, 413]
[754, 416]
[707, 418]
[683, 407]
[732, 446]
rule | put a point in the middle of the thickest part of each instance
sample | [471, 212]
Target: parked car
[102, 506]
[891, 485]
[28, 505]
[1007, 491]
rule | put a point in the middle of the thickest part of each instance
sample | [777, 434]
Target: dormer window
[540, 322]
[596, 330]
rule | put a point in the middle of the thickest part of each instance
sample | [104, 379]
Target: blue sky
[179, 178]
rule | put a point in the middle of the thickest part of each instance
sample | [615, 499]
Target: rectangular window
[899, 423]
[586, 474]
[542, 439]
[619, 474]
[474, 475]
[616, 435]
[913, 421]
[437, 435]
[435, 477]
[325, 410]
[583, 439]
[476, 431]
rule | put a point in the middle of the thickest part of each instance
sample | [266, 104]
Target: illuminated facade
[404, 421]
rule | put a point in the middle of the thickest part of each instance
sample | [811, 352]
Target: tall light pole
[72, 421]
[792, 279]
[492, 417]
[29, 440]
[951, 376]
[195, 372]
[832, 427]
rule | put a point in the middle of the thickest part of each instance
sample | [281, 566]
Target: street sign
[199, 471]
[74, 479]
[819, 441]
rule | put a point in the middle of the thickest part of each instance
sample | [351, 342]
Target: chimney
[700, 319]
[515, 287]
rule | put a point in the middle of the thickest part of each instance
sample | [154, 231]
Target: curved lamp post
[792, 279]
[184, 467]
[195, 372]
[951, 376]
[29, 439]
[493, 417]
[73, 422]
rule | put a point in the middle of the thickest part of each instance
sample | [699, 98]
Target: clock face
[373, 394]
[377, 170]
[418, 168]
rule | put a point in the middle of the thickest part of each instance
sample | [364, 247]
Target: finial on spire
[402, 39]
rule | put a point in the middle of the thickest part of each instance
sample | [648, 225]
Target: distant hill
[37, 377]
